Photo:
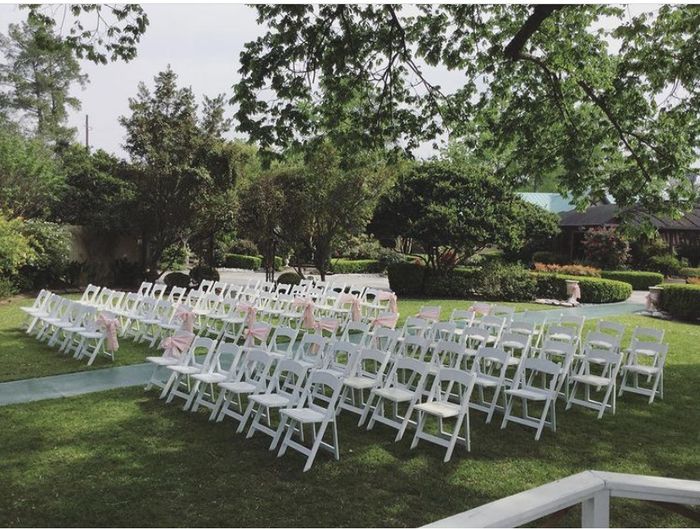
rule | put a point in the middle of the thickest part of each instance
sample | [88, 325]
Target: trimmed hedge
[356, 266]
[638, 280]
[289, 278]
[593, 289]
[246, 262]
[202, 272]
[177, 279]
[681, 301]
[459, 283]
[406, 278]
[690, 272]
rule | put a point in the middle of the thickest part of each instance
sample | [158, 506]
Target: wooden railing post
[595, 511]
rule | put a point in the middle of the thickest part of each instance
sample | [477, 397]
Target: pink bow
[355, 313]
[187, 317]
[110, 326]
[327, 324]
[386, 320]
[176, 345]
[383, 295]
[308, 322]
[260, 332]
[480, 308]
[430, 314]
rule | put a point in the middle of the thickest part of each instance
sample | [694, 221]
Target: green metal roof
[553, 202]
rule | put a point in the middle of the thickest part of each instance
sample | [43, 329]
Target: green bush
[458, 283]
[7, 288]
[509, 282]
[681, 301]
[605, 248]
[244, 247]
[50, 244]
[202, 272]
[406, 278]
[177, 279]
[638, 280]
[15, 250]
[246, 262]
[174, 257]
[547, 257]
[357, 266]
[289, 278]
[279, 262]
[126, 273]
[690, 272]
[593, 289]
[389, 257]
[668, 265]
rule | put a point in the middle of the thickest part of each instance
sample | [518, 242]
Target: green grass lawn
[21, 356]
[125, 458]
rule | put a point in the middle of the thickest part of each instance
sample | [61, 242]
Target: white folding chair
[158, 290]
[212, 372]
[597, 370]
[442, 405]
[176, 294]
[161, 362]
[503, 311]
[196, 361]
[356, 332]
[283, 391]
[495, 326]
[384, 339]
[144, 289]
[429, 312]
[282, 342]
[462, 318]
[92, 339]
[339, 358]
[310, 352]
[368, 372]
[35, 310]
[489, 368]
[414, 326]
[403, 386]
[646, 359]
[536, 381]
[310, 409]
[90, 294]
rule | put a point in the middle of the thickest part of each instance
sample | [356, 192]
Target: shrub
[246, 262]
[50, 244]
[645, 247]
[458, 283]
[509, 282]
[358, 266]
[289, 278]
[15, 250]
[638, 280]
[202, 272]
[7, 288]
[571, 269]
[174, 257]
[244, 247]
[126, 273]
[360, 247]
[389, 257]
[681, 301]
[690, 272]
[279, 262]
[547, 257]
[593, 289]
[177, 279]
[667, 265]
[406, 278]
[605, 248]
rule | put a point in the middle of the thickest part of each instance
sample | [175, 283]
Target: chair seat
[90, 334]
[30, 310]
[642, 370]
[184, 370]
[303, 415]
[395, 394]
[439, 408]
[238, 387]
[485, 381]
[593, 380]
[560, 336]
[600, 344]
[150, 321]
[529, 394]
[512, 344]
[360, 382]
[76, 328]
[233, 320]
[271, 400]
[209, 378]
[645, 352]
[162, 360]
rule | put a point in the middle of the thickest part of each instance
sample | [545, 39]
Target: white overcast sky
[201, 42]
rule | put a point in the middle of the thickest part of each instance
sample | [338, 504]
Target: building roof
[609, 214]
[553, 202]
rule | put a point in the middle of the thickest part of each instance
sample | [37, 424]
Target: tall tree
[571, 89]
[182, 165]
[39, 71]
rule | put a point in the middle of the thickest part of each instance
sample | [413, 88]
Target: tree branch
[531, 25]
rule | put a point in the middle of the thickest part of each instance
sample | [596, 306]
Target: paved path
[137, 375]
[240, 277]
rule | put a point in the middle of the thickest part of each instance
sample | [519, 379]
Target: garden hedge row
[356, 266]
[289, 278]
[638, 280]
[681, 301]
[246, 262]
[593, 289]
[690, 272]
[177, 279]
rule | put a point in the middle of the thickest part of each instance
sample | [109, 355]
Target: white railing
[592, 489]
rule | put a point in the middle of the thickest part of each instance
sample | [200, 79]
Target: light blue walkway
[71, 384]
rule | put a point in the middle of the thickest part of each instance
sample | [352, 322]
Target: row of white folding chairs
[71, 325]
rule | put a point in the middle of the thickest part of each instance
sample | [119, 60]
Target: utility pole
[87, 134]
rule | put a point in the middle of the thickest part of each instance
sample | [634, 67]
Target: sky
[201, 42]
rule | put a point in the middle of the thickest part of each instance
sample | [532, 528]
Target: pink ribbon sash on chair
[327, 324]
[186, 316]
[176, 345]
[384, 295]
[251, 313]
[386, 320]
[110, 326]
[430, 313]
[355, 313]
[308, 321]
[260, 332]
[480, 308]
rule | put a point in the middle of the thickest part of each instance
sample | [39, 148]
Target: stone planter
[573, 291]
[654, 299]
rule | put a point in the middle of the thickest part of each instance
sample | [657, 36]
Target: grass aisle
[124, 458]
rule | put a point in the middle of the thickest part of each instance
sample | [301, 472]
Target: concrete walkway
[71, 384]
